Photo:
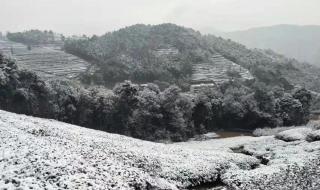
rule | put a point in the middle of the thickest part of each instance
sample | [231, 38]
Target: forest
[146, 112]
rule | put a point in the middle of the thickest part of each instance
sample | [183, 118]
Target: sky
[101, 16]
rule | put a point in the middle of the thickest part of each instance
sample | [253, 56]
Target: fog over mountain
[290, 40]
[100, 16]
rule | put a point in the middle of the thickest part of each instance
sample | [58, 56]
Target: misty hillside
[290, 40]
[267, 66]
[171, 54]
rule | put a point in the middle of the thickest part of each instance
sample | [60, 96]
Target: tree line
[33, 37]
[146, 112]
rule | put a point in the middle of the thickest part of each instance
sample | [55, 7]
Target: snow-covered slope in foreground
[39, 153]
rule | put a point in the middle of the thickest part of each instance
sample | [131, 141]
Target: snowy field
[39, 153]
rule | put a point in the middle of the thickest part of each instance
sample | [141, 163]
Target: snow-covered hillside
[40, 153]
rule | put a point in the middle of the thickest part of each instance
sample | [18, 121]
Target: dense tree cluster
[146, 112]
[235, 106]
[33, 37]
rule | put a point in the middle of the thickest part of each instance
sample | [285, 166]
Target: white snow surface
[47, 154]
[295, 134]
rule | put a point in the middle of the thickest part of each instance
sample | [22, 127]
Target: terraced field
[48, 62]
[209, 74]
[215, 72]
[166, 52]
[51, 63]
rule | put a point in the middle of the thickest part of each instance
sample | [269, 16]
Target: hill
[141, 53]
[293, 41]
[46, 154]
[164, 53]
[170, 54]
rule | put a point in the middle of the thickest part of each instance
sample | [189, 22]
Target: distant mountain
[299, 42]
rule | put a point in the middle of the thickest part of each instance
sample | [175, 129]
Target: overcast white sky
[100, 16]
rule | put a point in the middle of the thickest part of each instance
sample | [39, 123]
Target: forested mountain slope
[169, 53]
[164, 53]
[308, 75]
[142, 53]
[267, 66]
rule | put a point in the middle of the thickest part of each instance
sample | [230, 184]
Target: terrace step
[48, 62]
[215, 72]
